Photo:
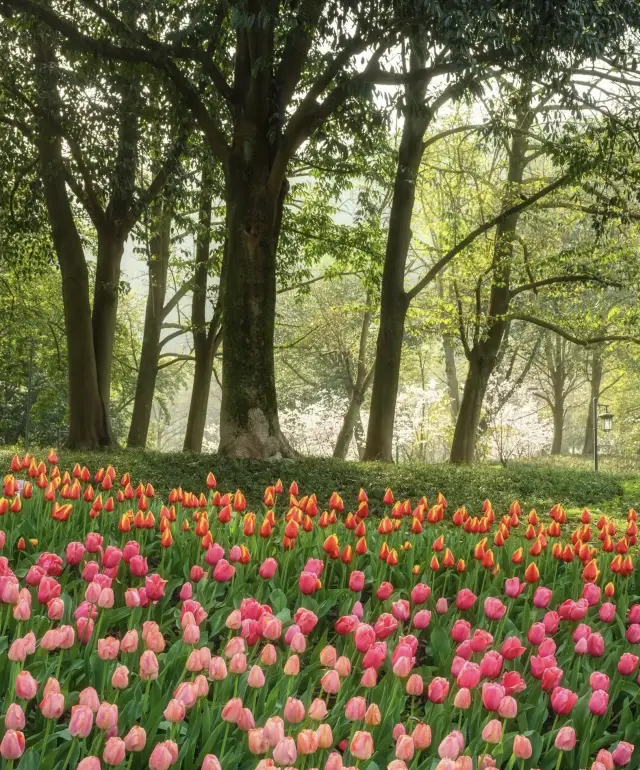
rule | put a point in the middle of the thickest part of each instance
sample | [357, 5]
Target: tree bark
[105, 308]
[88, 423]
[597, 374]
[205, 335]
[483, 354]
[249, 425]
[558, 424]
[394, 302]
[449, 364]
[343, 442]
[158, 265]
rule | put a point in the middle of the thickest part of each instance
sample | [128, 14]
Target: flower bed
[193, 632]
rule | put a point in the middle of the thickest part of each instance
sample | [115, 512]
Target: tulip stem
[224, 740]
[46, 740]
[68, 759]
[559, 760]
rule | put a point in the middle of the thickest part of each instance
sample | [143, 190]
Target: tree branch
[560, 279]
[480, 230]
[583, 342]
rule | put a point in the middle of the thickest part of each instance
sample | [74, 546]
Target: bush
[536, 486]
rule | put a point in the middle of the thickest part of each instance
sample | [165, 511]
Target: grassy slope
[535, 485]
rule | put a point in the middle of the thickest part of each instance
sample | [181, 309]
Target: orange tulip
[532, 573]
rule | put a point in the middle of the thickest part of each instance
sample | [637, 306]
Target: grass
[536, 484]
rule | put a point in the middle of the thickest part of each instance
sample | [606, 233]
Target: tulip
[361, 746]
[599, 681]
[294, 710]
[81, 721]
[12, 745]
[627, 663]
[522, 748]
[492, 695]
[107, 716]
[285, 753]
[161, 757]
[89, 763]
[492, 732]
[149, 666]
[449, 747]
[421, 736]
[307, 742]
[114, 751]
[175, 711]
[563, 700]
[621, 755]
[462, 699]
[438, 690]
[26, 686]
[599, 702]
[565, 739]
[89, 697]
[405, 748]
[135, 739]
[330, 682]
[231, 710]
[355, 709]
[52, 705]
[14, 718]
[508, 708]
[465, 599]
[324, 736]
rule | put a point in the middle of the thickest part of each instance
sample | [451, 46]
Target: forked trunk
[88, 424]
[463, 446]
[349, 422]
[159, 250]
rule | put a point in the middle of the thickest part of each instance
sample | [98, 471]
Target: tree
[540, 43]
[88, 154]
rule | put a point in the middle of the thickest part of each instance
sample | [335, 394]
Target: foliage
[181, 634]
[536, 486]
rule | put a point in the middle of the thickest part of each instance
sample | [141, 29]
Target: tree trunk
[483, 356]
[104, 316]
[359, 434]
[558, 424]
[204, 334]
[481, 364]
[343, 442]
[394, 302]
[249, 425]
[596, 384]
[159, 251]
[449, 363]
[88, 424]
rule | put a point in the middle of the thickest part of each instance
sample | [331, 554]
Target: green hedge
[534, 485]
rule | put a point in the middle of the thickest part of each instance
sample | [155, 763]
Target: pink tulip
[89, 697]
[285, 753]
[563, 700]
[607, 612]
[175, 711]
[442, 606]
[355, 709]
[438, 690]
[161, 758]
[508, 708]
[415, 685]
[369, 678]
[494, 609]
[149, 666]
[81, 721]
[231, 710]
[627, 663]
[599, 702]
[405, 748]
[89, 763]
[107, 716]
[52, 705]
[114, 751]
[465, 599]
[294, 710]
[421, 736]
[273, 731]
[420, 593]
[14, 718]
[330, 682]
[492, 695]
[599, 681]
[621, 755]
[135, 739]
[565, 739]
[492, 732]
[450, 747]
[491, 664]
[462, 699]
[522, 748]
[461, 631]
[361, 746]
[12, 745]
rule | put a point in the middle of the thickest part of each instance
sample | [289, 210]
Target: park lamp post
[607, 425]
